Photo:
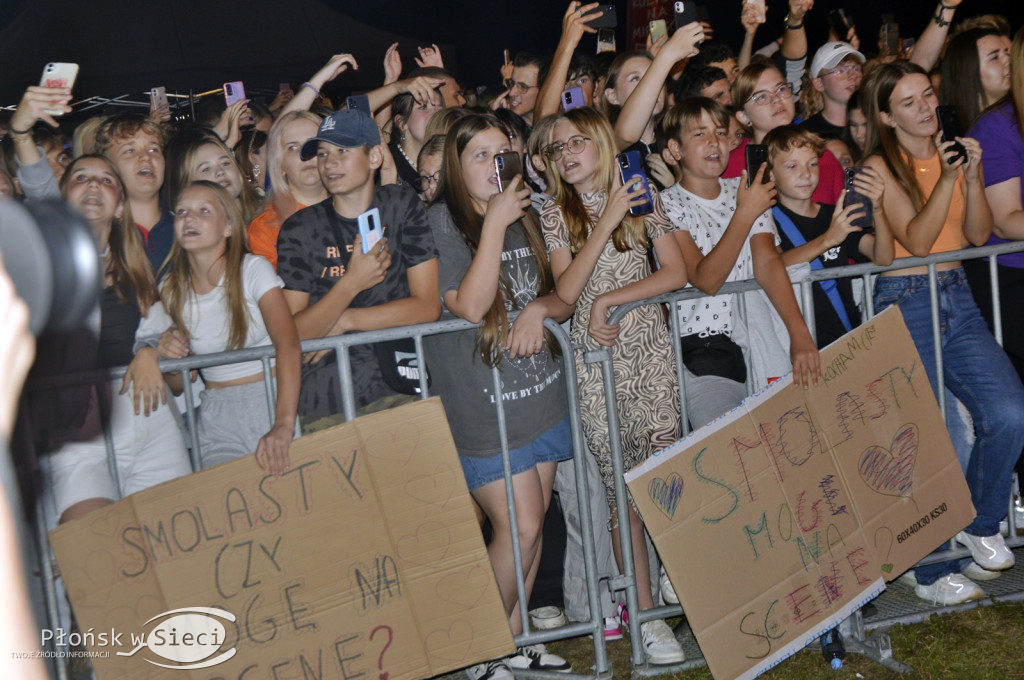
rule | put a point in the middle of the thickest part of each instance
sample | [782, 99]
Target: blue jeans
[978, 372]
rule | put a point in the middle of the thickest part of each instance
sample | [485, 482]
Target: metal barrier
[877, 648]
[342, 345]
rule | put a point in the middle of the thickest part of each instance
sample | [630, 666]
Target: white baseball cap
[830, 54]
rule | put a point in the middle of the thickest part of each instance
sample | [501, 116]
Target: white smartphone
[369, 228]
[157, 98]
[58, 74]
[757, 8]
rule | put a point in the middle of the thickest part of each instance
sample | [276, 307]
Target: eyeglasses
[515, 84]
[573, 145]
[762, 97]
[424, 182]
[844, 71]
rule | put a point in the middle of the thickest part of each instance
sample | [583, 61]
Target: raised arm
[794, 38]
[750, 23]
[310, 90]
[639, 106]
[573, 28]
[928, 47]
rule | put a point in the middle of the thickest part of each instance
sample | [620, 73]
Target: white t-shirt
[206, 320]
[706, 220]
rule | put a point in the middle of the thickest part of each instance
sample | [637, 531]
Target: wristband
[19, 133]
[316, 92]
[794, 27]
[939, 21]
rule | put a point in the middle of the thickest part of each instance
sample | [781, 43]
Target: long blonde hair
[280, 195]
[129, 264]
[177, 288]
[630, 232]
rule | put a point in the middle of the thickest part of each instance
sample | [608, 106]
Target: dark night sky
[222, 40]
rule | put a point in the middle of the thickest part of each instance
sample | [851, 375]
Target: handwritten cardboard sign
[364, 560]
[780, 518]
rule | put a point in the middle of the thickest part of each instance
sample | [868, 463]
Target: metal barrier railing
[341, 345]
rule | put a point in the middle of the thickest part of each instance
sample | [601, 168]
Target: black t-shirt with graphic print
[828, 327]
[313, 250]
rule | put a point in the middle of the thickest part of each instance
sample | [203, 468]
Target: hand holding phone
[234, 92]
[369, 228]
[572, 99]
[854, 197]
[756, 155]
[631, 170]
[949, 124]
[608, 18]
[756, 8]
[58, 74]
[507, 165]
[658, 31]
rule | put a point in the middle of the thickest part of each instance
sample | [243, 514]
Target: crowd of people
[252, 228]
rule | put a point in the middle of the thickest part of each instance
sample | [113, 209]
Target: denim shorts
[552, 446]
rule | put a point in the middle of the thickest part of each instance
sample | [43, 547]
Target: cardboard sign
[780, 518]
[364, 560]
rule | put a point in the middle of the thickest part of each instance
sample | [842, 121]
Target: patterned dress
[642, 361]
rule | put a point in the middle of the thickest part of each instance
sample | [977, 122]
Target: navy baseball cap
[346, 128]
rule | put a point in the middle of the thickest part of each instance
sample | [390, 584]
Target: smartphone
[507, 165]
[853, 197]
[157, 98]
[756, 155]
[359, 102]
[891, 39]
[949, 123]
[234, 92]
[605, 40]
[608, 18]
[508, 57]
[685, 13]
[572, 99]
[282, 87]
[757, 8]
[630, 169]
[840, 23]
[658, 30]
[58, 74]
[369, 228]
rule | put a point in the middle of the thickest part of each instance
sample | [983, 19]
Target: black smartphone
[359, 102]
[608, 19]
[756, 155]
[631, 168]
[853, 197]
[949, 123]
[507, 165]
[840, 23]
[685, 12]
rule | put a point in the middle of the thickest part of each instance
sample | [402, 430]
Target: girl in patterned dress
[599, 259]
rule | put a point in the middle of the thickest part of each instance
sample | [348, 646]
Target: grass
[985, 643]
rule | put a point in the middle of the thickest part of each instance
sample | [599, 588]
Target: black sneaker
[535, 658]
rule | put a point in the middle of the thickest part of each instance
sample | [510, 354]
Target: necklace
[411, 162]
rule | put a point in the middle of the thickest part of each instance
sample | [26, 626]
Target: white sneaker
[668, 593]
[950, 589]
[990, 552]
[536, 658]
[661, 644]
[976, 572]
[490, 670]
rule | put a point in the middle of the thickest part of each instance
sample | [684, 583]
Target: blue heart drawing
[666, 493]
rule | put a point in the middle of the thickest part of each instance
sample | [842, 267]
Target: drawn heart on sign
[464, 589]
[887, 567]
[427, 547]
[452, 644]
[666, 493]
[434, 489]
[396, 446]
[890, 471]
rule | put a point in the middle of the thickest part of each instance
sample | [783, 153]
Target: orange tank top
[927, 173]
